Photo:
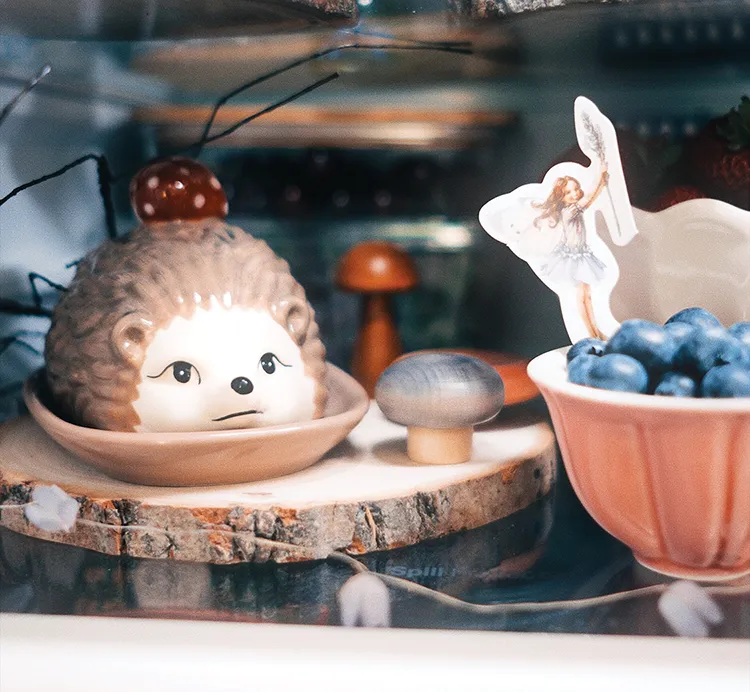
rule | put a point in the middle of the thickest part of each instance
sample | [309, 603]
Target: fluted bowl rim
[549, 372]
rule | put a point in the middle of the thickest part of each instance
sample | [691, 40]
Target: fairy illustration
[572, 260]
[551, 225]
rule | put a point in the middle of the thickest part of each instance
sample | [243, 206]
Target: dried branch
[105, 186]
[5, 112]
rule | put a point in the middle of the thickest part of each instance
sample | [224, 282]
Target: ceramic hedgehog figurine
[185, 324]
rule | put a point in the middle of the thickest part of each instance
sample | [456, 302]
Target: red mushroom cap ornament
[177, 189]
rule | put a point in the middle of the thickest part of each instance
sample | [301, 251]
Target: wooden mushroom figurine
[376, 270]
[440, 397]
[511, 367]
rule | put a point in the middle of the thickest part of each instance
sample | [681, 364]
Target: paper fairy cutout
[551, 225]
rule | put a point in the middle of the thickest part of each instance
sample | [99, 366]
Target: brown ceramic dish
[208, 457]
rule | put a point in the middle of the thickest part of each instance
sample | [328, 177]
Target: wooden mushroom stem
[439, 445]
[378, 343]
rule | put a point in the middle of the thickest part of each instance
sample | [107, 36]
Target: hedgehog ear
[294, 314]
[129, 338]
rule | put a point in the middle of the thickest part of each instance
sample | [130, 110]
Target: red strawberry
[718, 158]
[675, 195]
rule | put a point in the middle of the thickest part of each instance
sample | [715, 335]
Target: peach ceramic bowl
[669, 477]
[208, 457]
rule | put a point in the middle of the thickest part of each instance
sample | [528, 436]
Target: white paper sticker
[551, 225]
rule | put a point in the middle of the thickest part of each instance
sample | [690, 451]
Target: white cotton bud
[689, 610]
[51, 509]
[364, 601]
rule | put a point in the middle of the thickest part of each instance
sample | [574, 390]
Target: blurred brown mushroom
[376, 270]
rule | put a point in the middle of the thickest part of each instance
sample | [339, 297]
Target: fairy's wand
[595, 141]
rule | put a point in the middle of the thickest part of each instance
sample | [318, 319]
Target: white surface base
[67, 654]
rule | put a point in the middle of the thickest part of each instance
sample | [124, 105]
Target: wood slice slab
[365, 495]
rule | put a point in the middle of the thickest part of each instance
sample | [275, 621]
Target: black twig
[49, 176]
[12, 307]
[33, 278]
[105, 178]
[272, 107]
[7, 341]
[196, 149]
[105, 186]
[5, 112]
[27, 333]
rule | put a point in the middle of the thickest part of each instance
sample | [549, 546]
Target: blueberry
[593, 347]
[679, 330]
[698, 317]
[741, 331]
[618, 372]
[726, 381]
[653, 346]
[676, 384]
[704, 349]
[578, 368]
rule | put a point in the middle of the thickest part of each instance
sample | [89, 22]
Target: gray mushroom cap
[440, 390]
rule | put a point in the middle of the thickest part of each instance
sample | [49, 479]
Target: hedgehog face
[223, 368]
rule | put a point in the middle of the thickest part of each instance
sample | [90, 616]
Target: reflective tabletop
[549, 551]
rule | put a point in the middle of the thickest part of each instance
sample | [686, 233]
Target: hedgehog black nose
[242, 385]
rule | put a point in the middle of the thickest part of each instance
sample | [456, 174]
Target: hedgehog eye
[182, 371]
[268, 363]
